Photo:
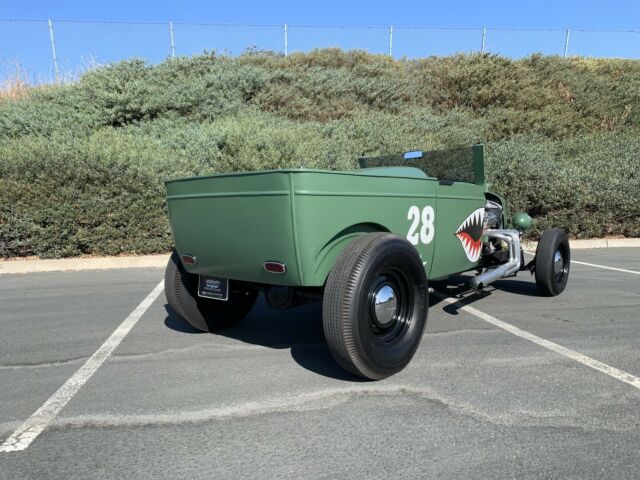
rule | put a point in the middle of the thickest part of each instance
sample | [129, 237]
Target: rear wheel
[375, 305]
[553, 260]
[181, 290]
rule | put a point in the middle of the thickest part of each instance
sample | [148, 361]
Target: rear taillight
[275, 267]
[189, 259]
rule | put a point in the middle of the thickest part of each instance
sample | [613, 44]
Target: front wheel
[553, 259]
[207, 315]
[375, 305]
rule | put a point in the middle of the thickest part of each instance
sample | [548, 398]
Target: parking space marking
[41, 418]
[554, 347]
[608, 268]
[594, 265]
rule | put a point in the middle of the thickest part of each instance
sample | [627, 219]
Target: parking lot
[506, 384]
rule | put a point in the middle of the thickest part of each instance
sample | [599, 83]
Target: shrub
[82, 165]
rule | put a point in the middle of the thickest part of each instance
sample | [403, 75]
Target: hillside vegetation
[82, 164]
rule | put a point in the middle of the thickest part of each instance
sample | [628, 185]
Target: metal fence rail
[105, 40]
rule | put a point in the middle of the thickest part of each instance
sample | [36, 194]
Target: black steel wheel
[375, 305]
[207, 315]
[552, 262]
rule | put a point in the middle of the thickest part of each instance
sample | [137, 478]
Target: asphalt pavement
[266, 400]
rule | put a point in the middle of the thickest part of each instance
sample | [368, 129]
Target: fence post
[53, 51]
[173, 45]
[566, 44]
[484, 37]
[286, 40]
[391, 40]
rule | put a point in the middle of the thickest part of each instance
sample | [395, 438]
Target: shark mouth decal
[470, 234]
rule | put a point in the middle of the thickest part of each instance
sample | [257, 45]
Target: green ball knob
[522, 221]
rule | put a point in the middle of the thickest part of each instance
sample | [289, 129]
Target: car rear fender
[329, 253]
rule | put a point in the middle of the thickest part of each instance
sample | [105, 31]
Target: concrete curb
[72, 264]
[8, 267]
[594, 243]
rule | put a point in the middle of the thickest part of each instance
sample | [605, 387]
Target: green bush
[82, 165]
[587, 185]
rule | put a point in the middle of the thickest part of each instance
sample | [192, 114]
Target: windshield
[455, 164]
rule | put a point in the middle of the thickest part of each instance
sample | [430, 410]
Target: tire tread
[206, 317]
[544, 273]
[340, 293]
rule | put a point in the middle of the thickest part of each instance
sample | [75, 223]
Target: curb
[594, 243]
[8, 267]
[74, 264]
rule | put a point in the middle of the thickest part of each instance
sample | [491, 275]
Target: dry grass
[15, 85]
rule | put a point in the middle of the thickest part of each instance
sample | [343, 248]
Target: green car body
[364, 242]
[233, 223]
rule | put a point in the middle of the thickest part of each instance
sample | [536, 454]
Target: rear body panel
[234, 223]
[305, 218]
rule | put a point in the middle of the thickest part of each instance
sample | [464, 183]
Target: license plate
[215, 288]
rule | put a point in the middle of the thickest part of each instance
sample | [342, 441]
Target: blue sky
[81, 44]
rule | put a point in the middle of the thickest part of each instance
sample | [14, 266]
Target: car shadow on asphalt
[298, 329]
[458, 287]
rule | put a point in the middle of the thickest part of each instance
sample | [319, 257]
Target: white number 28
[423, 221]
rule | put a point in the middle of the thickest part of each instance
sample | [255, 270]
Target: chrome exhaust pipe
[512, 238]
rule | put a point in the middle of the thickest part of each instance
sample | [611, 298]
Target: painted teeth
[468, 248]
[471, 247]
[475, 218]
[472, 251]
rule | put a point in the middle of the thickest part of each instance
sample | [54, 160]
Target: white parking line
[608, 268]
[594, 265]
[572, 354]
[41, 418]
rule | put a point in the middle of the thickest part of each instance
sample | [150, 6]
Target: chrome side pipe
[512, 238]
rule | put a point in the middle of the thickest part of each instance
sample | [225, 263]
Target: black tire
[553, 261]
[181, 290]
[360, 342]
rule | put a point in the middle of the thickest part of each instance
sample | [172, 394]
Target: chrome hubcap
[560, 266]
[385, 304]
[558, 262]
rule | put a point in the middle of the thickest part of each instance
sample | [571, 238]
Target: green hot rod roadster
[365, 242]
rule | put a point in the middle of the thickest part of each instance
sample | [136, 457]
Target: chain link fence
[49, 50]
